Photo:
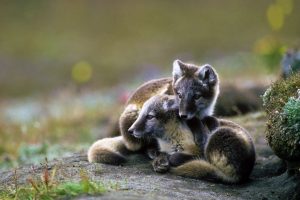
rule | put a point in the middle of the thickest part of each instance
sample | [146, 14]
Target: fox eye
[197, 96]
[179, 95]
[149, 117]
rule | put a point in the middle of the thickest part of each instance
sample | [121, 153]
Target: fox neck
[209, 110]
[174, 128]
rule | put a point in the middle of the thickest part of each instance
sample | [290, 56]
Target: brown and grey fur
[108, 151]
[99, 152]
[227, 154]
[188, 83]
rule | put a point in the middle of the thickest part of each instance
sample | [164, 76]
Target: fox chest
[179, 141]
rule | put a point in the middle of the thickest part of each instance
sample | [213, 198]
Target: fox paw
[161, 163]
[152, 153]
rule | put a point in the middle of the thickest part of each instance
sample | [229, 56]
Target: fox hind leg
[108, 151]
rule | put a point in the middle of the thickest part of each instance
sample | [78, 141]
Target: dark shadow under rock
[235, 100]
[268, 167]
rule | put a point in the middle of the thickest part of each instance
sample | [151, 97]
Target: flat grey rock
[136, 180]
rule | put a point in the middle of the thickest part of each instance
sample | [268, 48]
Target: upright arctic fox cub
[227, 154]
[196, 89]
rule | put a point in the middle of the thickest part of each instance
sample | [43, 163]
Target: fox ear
[179, 69]
[170, 104]
[207, 74]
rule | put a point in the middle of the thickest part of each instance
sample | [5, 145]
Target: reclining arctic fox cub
[226, 153]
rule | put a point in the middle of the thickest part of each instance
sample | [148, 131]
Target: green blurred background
[47, 45]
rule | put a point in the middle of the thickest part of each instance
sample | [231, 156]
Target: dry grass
[46, 186]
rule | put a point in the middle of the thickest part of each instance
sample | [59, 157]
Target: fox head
[196, 89]
[156, 113]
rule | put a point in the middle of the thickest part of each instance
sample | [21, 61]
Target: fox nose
[183, 116]
[131, 130]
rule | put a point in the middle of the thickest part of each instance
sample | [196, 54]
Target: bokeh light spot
[270, 49]
[283, 49]
[275, 16]
[264, 45]
[82, 72]
[286, 6]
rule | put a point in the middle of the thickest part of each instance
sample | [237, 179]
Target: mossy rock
[282, 105]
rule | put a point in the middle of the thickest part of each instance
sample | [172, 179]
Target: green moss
[291, 111]
[283, 113]
[296, 66]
